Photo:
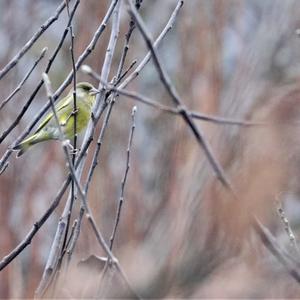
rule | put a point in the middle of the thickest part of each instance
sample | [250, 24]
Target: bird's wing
[60, 106]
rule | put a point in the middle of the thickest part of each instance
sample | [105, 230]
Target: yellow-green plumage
[47, 130]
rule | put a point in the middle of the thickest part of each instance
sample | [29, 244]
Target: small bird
[48, 130]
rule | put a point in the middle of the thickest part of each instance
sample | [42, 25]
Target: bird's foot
[72, 150]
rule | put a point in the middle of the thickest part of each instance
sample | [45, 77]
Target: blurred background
[180, 233]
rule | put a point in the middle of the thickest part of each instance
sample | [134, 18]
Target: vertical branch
[73, 194]
[127, 39]
[121, 199]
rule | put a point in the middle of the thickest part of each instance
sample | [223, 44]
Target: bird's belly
[82, 119]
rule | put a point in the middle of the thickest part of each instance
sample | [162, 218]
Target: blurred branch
[18, 88]
[292, 266]
[288, 228]
[89, 71]
[34, 38]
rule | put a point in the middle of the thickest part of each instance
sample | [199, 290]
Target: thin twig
[126, 72]
[89, 71]
[18, 88]
[292, 266]
[73, 193]
[287, 228]
[126, 44]
[33, 39]
[75, 236]
[121, 199]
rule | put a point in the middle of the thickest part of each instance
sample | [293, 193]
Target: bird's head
[86, 92]
[86, 89]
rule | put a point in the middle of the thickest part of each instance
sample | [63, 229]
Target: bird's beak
[94, 91]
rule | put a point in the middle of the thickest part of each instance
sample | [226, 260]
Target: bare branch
[272, 245]
[73, 194]
[287, 228]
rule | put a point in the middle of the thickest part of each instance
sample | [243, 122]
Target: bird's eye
[86, 88]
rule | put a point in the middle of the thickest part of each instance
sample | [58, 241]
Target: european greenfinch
[48, 130]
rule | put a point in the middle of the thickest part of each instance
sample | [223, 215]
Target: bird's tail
[27, 143]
